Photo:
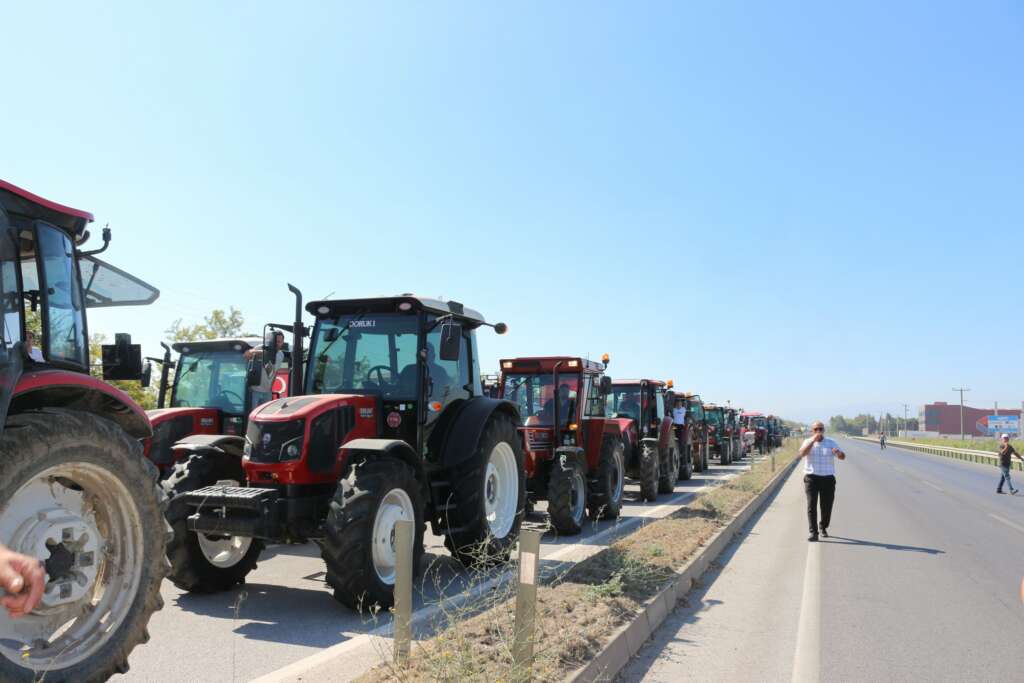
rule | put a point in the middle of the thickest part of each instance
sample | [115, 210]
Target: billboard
[999, 424]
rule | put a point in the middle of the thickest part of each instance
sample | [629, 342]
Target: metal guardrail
[966, 454]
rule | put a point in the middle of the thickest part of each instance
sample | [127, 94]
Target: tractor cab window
[51, 285]
[625, 402]
[659, 402]
[211, 379]
[596, 404]
[9, 299]
[714, 417]
[697, 410]
[536, 397]
[365, 354]
[448, 378]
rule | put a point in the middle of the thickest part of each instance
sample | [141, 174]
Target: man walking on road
[1005, 451]
[820, 477]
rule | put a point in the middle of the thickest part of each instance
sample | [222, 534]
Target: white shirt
[820, 460]
[679, 416]
[269, 372]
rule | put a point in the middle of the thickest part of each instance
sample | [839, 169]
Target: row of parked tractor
[329, 431]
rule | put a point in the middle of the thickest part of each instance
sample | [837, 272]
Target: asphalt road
[921, 580]
[285, 614]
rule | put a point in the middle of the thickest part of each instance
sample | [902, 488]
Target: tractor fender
[369, 449]
[468, 425]
[568, 454]
[222, 443]
[77, 391]
[650, 441]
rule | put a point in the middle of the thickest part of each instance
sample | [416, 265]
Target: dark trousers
[825, 486]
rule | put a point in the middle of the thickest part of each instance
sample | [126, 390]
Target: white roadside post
[403, 590]
[526, 604]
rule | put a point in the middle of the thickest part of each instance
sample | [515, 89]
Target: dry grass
[580, 608]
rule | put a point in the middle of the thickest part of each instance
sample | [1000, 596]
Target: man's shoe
[824, 531]
[812, 537]
[1014, 492]
[999, 490]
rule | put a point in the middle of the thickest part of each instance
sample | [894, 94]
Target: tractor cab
[573, 452]
[758, 424]
[210, 394]
[46, 284]
[639, 406]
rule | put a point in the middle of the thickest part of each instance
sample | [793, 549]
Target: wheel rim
[82, 521]
[579, 495]
[396, 505]
[224, 552]
[501, 490]
[618, 475]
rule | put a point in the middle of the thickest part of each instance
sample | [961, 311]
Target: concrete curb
[627, 640]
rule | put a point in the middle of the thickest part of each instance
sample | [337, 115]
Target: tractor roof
[751, 415]
[21, 202]
[626, 382]
[528, 364]
[395, 304]
[223, 344]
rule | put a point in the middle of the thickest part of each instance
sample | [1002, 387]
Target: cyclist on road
[881, 440]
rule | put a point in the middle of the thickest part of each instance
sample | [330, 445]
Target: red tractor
[574, 453]
[210, 395]
[757, 423]
[692, 437]
[721, 437]
[387, 423]
[652, 454]
[75, 489]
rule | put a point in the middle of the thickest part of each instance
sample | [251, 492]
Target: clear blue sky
[802, 208]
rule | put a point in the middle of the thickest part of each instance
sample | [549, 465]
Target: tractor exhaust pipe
[165, 369]
[298, 332]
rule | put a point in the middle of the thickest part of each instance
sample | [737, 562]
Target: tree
[217, 324]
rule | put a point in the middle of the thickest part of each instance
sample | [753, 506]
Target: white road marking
[934, 486]
[807, 658]
[1007, 522]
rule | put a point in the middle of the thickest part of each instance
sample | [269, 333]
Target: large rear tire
[488, 497]
[605, 499]
[567, 497]
[358, 546]
[205, 563]
[649, 474]
[77, 493]
[723, 453]
[668, 468]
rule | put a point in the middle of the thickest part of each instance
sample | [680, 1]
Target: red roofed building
[944, 418]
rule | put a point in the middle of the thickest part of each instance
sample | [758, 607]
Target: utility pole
[906, 429]
[961, 390]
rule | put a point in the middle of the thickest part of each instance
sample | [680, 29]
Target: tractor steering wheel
[380, 374]
[227, 392]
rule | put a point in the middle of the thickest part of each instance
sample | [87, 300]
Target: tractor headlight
[291, 450]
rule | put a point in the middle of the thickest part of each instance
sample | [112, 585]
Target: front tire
[649, 474]
[77, 493]
[668, 470]
[488, 497]
[204, 563]
[605, 499]
[686, 466]
[567, 497]
[724, 453]
[359, 535]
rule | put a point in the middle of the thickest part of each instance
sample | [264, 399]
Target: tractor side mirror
[606, 384]
[122, 359]
[147, 375]
[451, 341]
[254, 371]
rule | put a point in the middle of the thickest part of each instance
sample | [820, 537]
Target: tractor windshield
[211, 379]
[714, 417]
[697, 410]
[535, 396]
[624, 401]
[371, 353]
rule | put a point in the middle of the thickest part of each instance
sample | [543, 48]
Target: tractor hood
[301, 407]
